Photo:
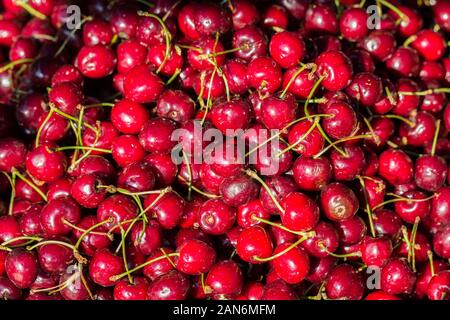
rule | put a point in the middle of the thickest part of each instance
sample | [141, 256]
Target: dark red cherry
[167, 65]
[338, 202]
[335, 68]
[225, 278]
[430, 172]
[54, 258]
[421, 133]
[326, 240]
[168, 210]
[380, 44]
[386, 222]
[137, 177]
[406, 103]
[405, 62]
[21, 267]
[439, 286]
[396, 167]
[164, 169]
[160, 267]
[146, 238]
[118, 208]
[216, 217]
[252, 43]
[344, 283]
[103, 266]
[12, 154]
[307, 142]
[141, 85]
[351, 230]
[58, 215]
[97, 32]
[91, 241]
[175, 105]
[10, 32]
[441, 12]
[280, 186]
[301, 213]
[312, 174]
[67, 73]
[287, 49]
[85, 191]
[375, 251]
[366, 88]
[124, 290]
[238, 190]
[441, 242]
[292, 266]
[252, 243]
[397, 277]
[44, 164]
[170, 286]
[246, 213]
[126, 149]
[342, 122]
[8, 291]
[96, 62]
[235, 71]
[130, 53]
[278, 290]
[321, 18]
[264, 74]
[243, 14]
[303, 83]
[430, 44]
[353, 24]
[196, 257]
[346, 168]
[128, 117]
[228, 116]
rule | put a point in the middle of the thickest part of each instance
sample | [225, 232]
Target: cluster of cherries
[351, 202]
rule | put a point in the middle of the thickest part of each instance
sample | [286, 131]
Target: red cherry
[225, 278]
[396, 167]
[128, 117]
[96, 62]
[126, 149]
[301, 213]
[12, 154]
[103, 266]
[21, 267]
[336, 68]
[430, 44]
[287, 49]
[264, 74]
[137, 290]
[397, 278]
[321, 18]
[170, 286]
[252, 243]
[119, 208]
[353, 24]
[58, 214]
[141, 85]
[168, 210]
[344, 282]
[130, 54]
[338, 202]
[292, 266]
[312, 174]
[196, 257]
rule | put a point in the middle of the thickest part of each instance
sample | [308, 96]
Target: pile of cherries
[342, 191]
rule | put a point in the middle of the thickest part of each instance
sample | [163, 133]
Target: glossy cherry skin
[338, 202]
[92, 241]
[353, 24]
[126, 149]
[278, 290]
[231, 115]
[380, 295]
[12, 154]
[287, 49]
[44, 164]
[310, 144]
[9, 229]
[375, 251]
[245, 13]
[141, 85]
[212, 19]
[423, 131]
[103, 266]
[10, 32]
[163, 167]
[321, 18]
[137, 177]
[137, 290]
[409, 211]
[380, 44]
[56, 212]
[251, 41]
[196, 257]
[160, 267]
[346, 168]
[119, 208]
[396, 167]
[54, 258]
[344, 283]
[439, 286]
[430, 172]
[404, 62]
[342, 122]
[216, 217]
[235, 70]
[264, 74]
[247, 212]
[387, 222]
[293, 266]
[97, 32]
[280, 186]
[238, 190]
[366, 88]
[254, 242]
[397, 278]
[170, 286]
[326, 239]
[225, 278]
[168, 210]
[8, 290]
[21, 267]
[406, 103]
[130, 53]
[175, 105]
[351, 230]
[128, 117]
[312, 174]
[336, 68]
[301, 213]
[146, 238]
[84, 190]
[96, 62]
[277, 112]
[66, 96]
[441, 242]
[430, 44]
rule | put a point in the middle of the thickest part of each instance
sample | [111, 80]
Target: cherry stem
[168, 258]
[114, 189]
[436, 136]
[41, 127]
[59, 287]
[205, 194]
[173, 77]
[333, 144]
[101, 104]
[280, 226]
[167, 35]
[124, 256]
[215, 54]
[82, 148]
[430, 259]
[14, 63]
[395, 116]
[369, 211]
[409, 40]
[412, 240]
[389, 5]
[279, 254]
[91, 228]
[339, 256]
[300, 140]
[139, 267]
[399, 199]
[375, 137]
[146, 3]
[77, 255]
[84, 230]
[5, 248]
[72, 33]
[206, 289]
[5, 243]
[425, 92]
[12, 182]
[291, 81]
[255, 176]
[16, 173]
[28, 8]
[69, 117]
[283, 130]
